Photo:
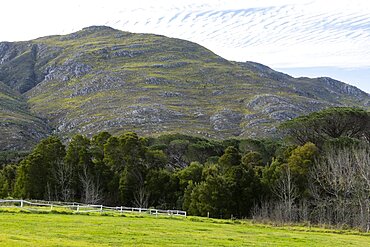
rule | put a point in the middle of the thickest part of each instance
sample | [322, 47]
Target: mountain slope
[103, 79]
[19, 128]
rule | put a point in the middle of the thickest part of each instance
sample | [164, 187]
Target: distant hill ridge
[100, 79]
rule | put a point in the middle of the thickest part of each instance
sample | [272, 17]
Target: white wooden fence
[84, 208]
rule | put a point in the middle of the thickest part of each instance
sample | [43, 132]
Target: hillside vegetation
[100, 79]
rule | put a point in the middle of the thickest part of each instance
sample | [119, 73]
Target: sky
[310, 38]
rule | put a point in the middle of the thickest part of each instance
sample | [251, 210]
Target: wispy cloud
[278, 33]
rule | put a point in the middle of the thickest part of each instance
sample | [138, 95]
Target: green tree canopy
[34, 174]
[191, 173]
[211, 195]
[336, 122]
[230, 158]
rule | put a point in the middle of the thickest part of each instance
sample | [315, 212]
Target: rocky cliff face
[103, 79]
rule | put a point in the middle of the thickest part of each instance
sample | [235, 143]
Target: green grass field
[29, 229]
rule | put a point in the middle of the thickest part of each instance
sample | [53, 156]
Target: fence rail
[84, 208]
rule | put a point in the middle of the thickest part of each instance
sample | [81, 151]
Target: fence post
[51, 207]
[121, 210]
[185, 214]
[78, 208]
[101, 208]
[21, 203]
[139, 210]
[156, 213]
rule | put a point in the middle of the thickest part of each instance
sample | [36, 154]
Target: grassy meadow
[47, 229]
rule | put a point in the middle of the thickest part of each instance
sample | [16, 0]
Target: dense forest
[318, 172]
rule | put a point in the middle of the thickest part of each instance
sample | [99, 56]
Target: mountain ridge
[101, 78]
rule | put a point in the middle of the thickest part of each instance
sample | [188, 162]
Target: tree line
[319, 173]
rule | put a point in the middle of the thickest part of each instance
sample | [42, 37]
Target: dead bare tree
[362, 160]
[140, 193]
[141, 197]
[91, 191]
[285, 190]
[341, 187]
[62, 175]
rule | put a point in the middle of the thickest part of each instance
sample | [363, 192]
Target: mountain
[100, 79]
